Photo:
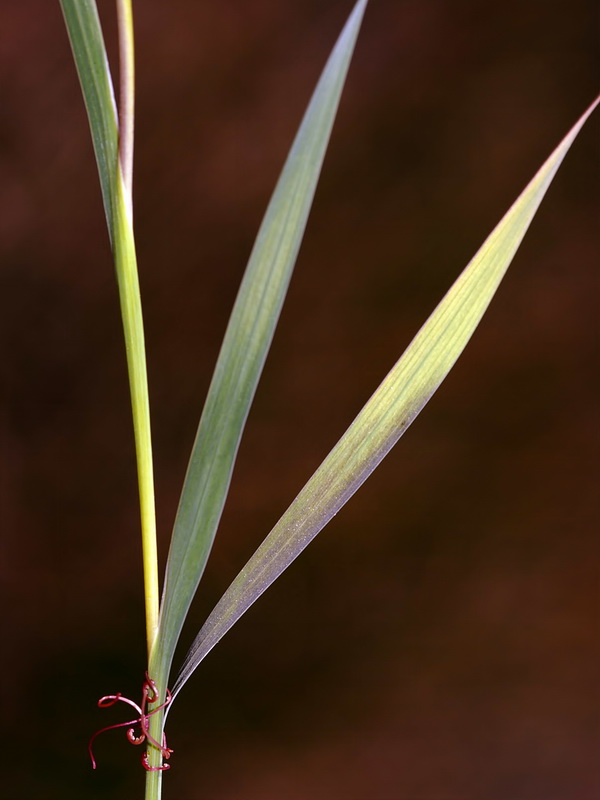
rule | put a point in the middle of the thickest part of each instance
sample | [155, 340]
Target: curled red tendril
[149, 696]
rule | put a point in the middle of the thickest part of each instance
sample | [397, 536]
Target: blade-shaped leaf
[245, 347]
[89, 52]
[386, 416]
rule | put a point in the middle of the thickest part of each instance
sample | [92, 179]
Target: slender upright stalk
[126, 94]
[131, 311]
[160, 665]
[153, 789]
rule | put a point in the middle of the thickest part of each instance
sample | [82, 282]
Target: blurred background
[440, 638]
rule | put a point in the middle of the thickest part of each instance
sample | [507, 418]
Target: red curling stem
[149, 695]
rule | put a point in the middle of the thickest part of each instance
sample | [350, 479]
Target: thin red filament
[149, 696]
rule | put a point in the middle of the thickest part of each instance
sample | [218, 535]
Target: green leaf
[89, 52]
[385, 417]
[245, 347]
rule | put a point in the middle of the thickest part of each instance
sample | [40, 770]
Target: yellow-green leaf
[386, 416]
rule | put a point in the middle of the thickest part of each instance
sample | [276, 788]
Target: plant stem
[153, 786]
[154, 779]
[159, 668]
[126, 94]
[131, 312]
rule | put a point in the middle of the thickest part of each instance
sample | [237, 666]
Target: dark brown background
[439, 640]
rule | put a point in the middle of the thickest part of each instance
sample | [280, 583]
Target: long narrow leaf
[87, 42]
[89, 52]
[245, 347]
[386, 416]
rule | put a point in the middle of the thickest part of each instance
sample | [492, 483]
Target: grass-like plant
[378, 426]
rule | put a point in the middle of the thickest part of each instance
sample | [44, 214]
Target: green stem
[153, 786]
[159, 672]
[127, 94]
[154, 779]
[131, 312]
